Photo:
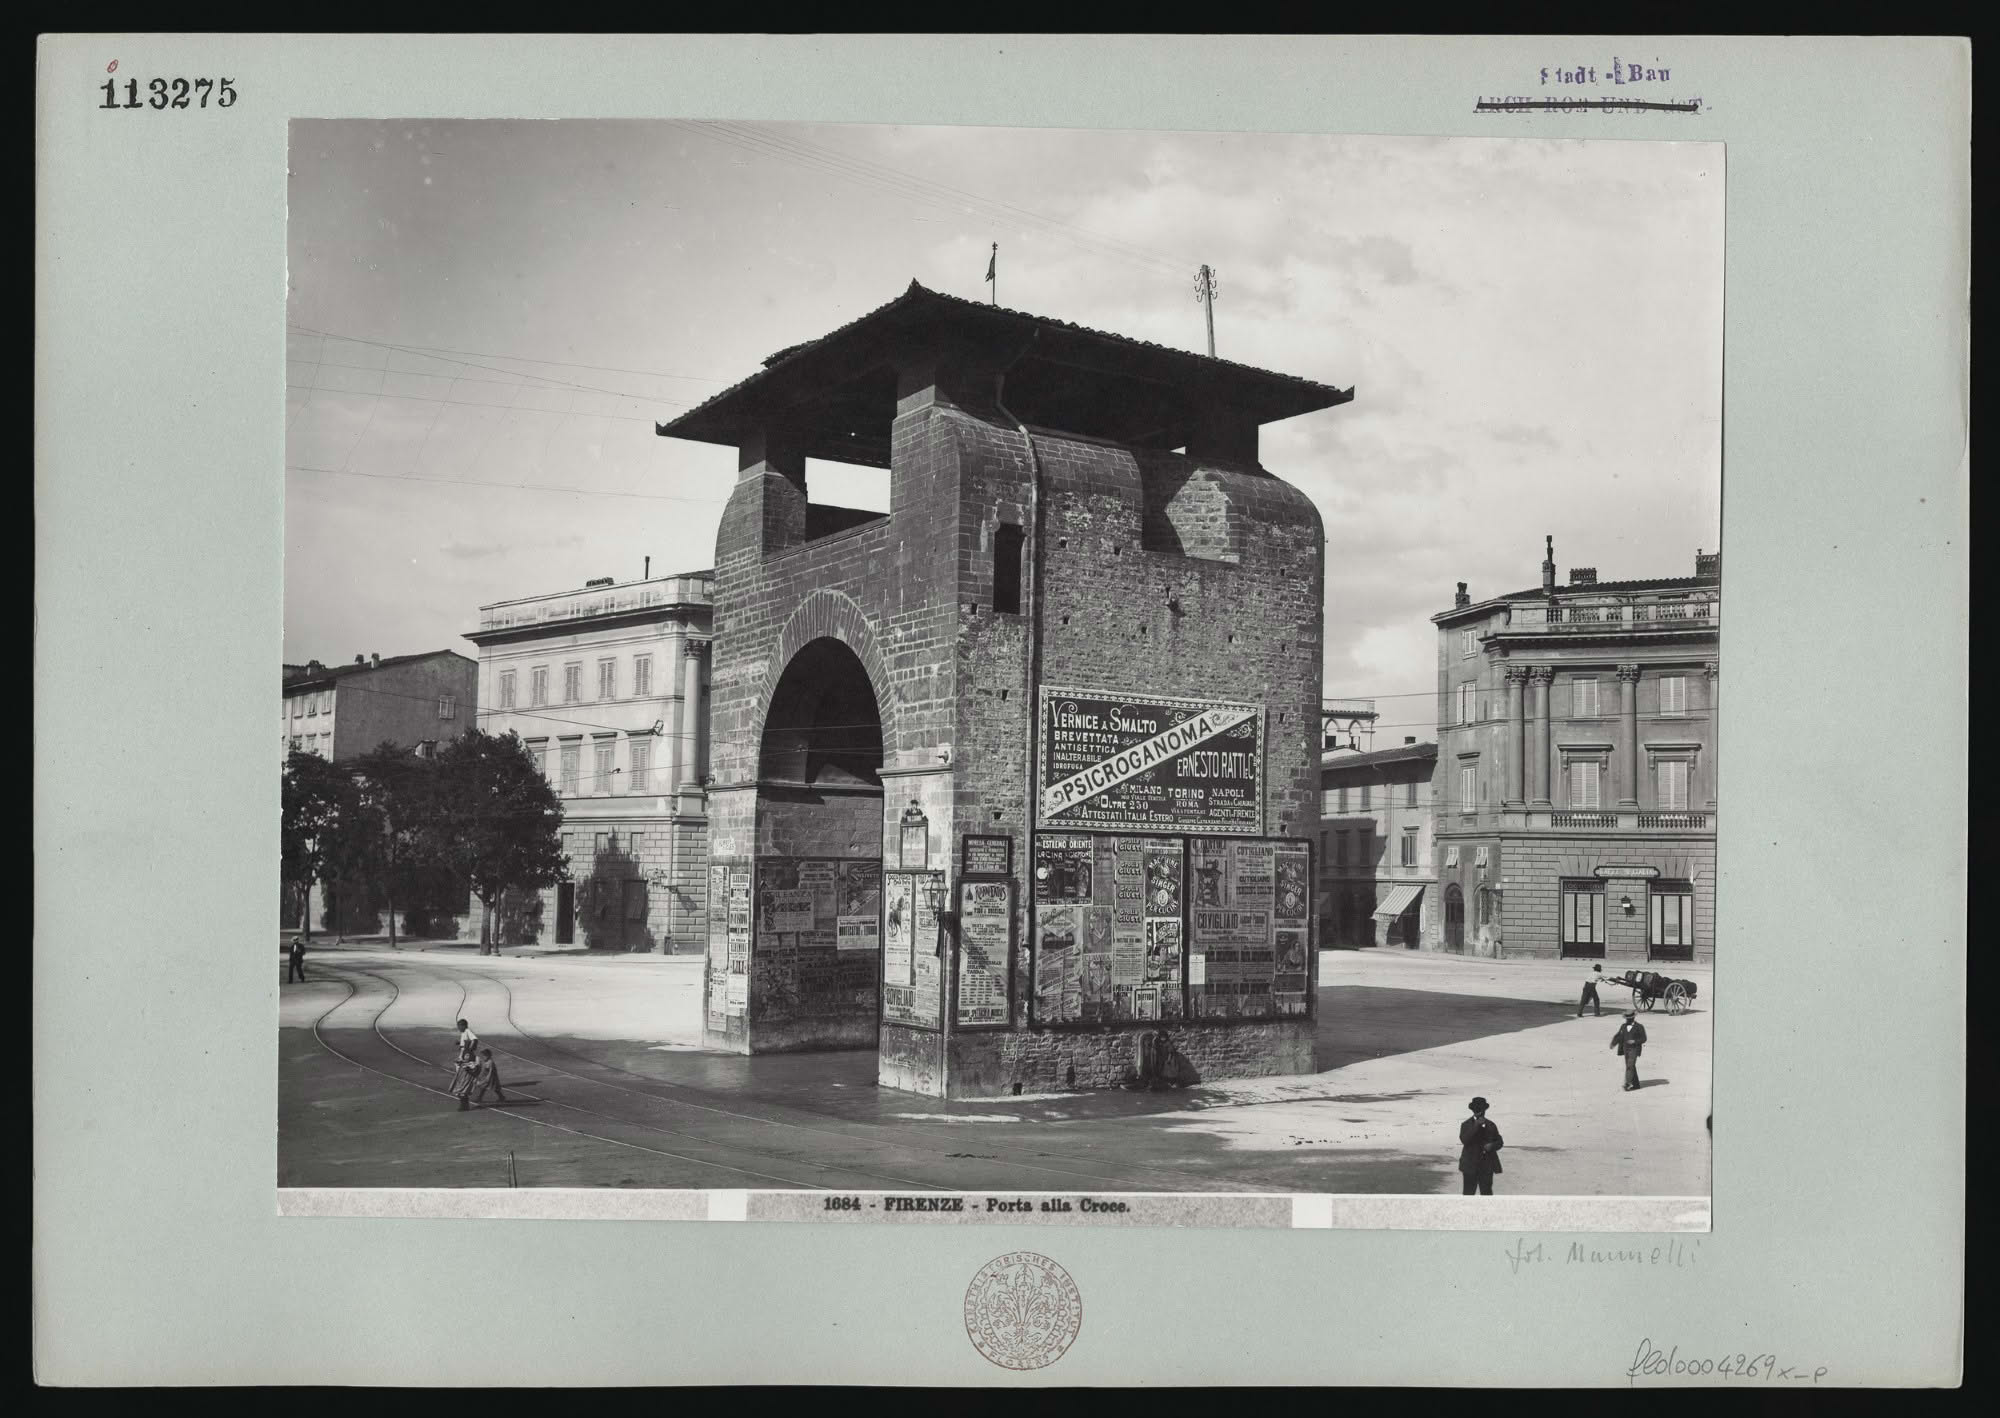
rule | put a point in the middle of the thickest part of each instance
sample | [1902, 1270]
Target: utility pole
[993, 275]
[1204, 291]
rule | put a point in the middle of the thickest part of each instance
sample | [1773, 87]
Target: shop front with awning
[1400, 912]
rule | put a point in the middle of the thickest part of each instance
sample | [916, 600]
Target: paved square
[608, 1087]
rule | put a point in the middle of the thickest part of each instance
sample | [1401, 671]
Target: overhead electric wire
[503, 487]
[419, 353]
[461, 379]
[435, 350]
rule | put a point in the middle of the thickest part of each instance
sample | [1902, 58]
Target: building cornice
[667, 615]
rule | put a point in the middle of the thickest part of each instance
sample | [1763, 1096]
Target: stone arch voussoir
[830, 615]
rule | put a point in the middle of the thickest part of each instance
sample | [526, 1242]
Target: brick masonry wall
[988, 1065]
[1244, 629]
[912, 596]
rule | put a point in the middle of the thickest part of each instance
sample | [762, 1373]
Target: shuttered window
[1583, 698]
[1673, 776]
[1673, 694]
[1583, 787]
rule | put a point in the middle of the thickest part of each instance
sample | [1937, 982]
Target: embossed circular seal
[1022, 1310]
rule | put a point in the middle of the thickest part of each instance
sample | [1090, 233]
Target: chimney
[1408, 741]
[597, 581]
[1708, 563]
[315, 667]
[1583, 576]
[360, 659]
[647, 574]
[374, 660]
[1549, 569]
[1461, 599]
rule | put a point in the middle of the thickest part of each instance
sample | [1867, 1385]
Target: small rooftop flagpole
[992, 275]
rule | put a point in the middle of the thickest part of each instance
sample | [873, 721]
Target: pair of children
[476, 1073]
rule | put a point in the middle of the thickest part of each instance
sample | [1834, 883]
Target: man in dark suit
[296, 968]
[1478, 1150]
[1629, 1041]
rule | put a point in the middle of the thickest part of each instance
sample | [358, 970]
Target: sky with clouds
[485, 319]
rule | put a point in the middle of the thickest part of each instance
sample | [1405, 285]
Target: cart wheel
[1645, 1000]
[1677, 1000]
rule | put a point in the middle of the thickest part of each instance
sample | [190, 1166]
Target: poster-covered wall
[817, 938]
[1249, 928]
[728, 944]
[912, 977]
[1109, 926]
[719, 945]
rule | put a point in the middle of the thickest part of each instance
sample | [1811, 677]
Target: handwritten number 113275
[170, 93]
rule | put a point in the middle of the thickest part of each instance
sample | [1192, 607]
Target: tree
[395, 793]
[494, 819]
[317, 803]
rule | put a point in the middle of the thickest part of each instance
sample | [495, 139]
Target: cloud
[483, 551]
[1522, 435]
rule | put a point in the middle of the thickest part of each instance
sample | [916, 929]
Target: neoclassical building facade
[607, 686]
[1575, 795]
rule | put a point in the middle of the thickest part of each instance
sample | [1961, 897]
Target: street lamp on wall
[939, 894]
[1625, 904]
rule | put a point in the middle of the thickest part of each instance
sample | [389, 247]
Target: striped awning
[1396, 902]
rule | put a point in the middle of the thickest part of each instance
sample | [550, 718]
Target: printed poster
[1251, 927]
[859, 918]
[912, 980]
[787, 911]
[737, 915]
[1114, 761]
[896, 923]
[1058, 984]
[985, 933]
[718, 948]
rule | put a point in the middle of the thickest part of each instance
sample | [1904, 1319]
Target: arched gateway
[1016, 782]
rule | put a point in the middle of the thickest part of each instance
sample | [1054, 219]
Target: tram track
[340, 973]
[906, 1140]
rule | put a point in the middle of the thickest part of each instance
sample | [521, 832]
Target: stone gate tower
[1016, 782]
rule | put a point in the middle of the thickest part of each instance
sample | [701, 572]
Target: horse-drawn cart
[1648, 988]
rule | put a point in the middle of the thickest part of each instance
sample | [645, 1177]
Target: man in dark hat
[1629, 1040]
[296, 966]
[1478, 1150]
[1589, 996]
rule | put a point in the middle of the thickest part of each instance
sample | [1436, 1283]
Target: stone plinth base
[998, 1064]
[791, 1036]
